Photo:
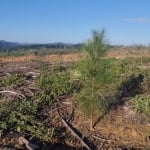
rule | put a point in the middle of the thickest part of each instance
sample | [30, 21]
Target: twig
[102, 144]
[101, 139]
[75, 134]
[28, 145]
[71, 116]
[33, 74]
[33, 88]
[6, 148]
[55, 109]
[21, 96]
[104, 141]
[30, 93]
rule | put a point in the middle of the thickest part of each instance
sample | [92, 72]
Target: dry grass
[124, 53]
[17, 59]
[62, 57]
[53, 58]
[49, 58]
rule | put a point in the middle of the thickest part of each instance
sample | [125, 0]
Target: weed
[53, 85]
[141, 104]
[20, 116]
[13, 80]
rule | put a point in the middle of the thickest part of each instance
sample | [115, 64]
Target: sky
[126, 22]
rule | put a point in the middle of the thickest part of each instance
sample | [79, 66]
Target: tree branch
[21, 96]
[74, 133]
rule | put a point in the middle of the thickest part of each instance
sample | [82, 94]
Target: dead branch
[55, 109]
[27, 91]
[33, 88]
[101, 146]
[21, 96]
[27, 144]
[6, 148]
[33, 74]
[71, 116]
[75, 134]
[101, 139]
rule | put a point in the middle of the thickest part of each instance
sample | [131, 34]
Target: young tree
[89, 100]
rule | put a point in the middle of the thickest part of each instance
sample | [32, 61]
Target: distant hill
[5, 45]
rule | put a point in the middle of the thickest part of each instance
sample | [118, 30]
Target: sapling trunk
[91, 121]
[92, 107]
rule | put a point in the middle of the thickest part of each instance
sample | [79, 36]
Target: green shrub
[13, 80]
[141, 104]
[20, 116]
[54, 85]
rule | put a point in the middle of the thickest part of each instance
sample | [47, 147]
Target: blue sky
[47, 21]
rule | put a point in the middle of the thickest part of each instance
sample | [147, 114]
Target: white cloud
[137, 20]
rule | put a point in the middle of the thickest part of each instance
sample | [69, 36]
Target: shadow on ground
[128, 88]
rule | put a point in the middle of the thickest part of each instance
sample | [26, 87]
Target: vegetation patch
[13, 80]
[20, 116]
[141, 104]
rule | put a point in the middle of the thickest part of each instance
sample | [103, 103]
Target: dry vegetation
[119, 53]
[52, 58]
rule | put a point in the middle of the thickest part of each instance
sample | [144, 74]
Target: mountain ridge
[5, 45]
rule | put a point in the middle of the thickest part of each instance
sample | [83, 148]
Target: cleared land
[40, 120]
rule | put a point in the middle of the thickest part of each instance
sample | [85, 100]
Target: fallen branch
[71, 116]
[27, 144]
[33, 74]
[55, 109]
[6, 148]
[21, 96]
[27, 91]
[101, 146]
[75, 134]
[101, 139]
